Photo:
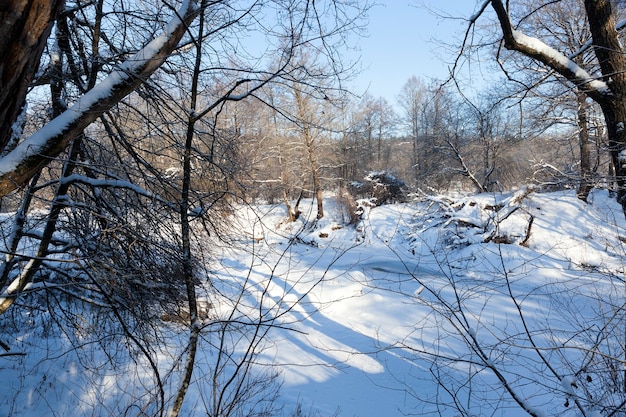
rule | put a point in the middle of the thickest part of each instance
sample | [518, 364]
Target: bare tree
[607, 86]
[373, 123]
[304, 114]
[128, 209]
[552, 102]
[412, 100]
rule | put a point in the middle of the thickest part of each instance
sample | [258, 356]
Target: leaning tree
[30, 24]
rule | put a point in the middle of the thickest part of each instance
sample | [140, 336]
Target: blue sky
[404, 40]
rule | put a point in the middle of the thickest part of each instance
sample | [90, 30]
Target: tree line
[433, 138]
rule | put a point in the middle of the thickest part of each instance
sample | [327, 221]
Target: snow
[568, 383]
[367, 319]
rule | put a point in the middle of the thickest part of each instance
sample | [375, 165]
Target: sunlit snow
[361, 328]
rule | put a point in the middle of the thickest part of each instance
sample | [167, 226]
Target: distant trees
[292, 137]
[374, 121]
[442, 140]
[412, 100]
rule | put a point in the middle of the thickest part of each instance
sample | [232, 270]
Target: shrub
[382, 186]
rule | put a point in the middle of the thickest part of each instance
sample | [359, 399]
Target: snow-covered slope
[493, 304]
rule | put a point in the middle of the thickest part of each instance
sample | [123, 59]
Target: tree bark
[24, 30]
[584, 188]
[610, 55]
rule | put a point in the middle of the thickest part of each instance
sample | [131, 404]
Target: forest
[187, 185]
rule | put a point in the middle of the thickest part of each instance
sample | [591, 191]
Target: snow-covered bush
[382, 186]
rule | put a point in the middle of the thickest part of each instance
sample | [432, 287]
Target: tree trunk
[9, 294]
[310, 148]
[26, 25]
[614, 112]
[584, 188]
[185, 231]
[315, 171]
[415, 160]
[610, 54]
[379, 150]
[293, 212]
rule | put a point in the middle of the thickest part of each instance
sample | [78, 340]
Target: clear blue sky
[404, 40]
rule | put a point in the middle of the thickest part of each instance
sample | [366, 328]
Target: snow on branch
[535, 48]
[19, 165]
[559, 62]
[110, 183]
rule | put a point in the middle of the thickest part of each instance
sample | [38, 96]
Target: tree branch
[534, 48]
[30, 156]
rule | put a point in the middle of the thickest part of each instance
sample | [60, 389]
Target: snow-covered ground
[492, 304]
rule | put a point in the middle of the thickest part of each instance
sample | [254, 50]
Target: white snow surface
[358, 308]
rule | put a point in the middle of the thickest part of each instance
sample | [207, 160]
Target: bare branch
[18, 166]
[515, 40]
